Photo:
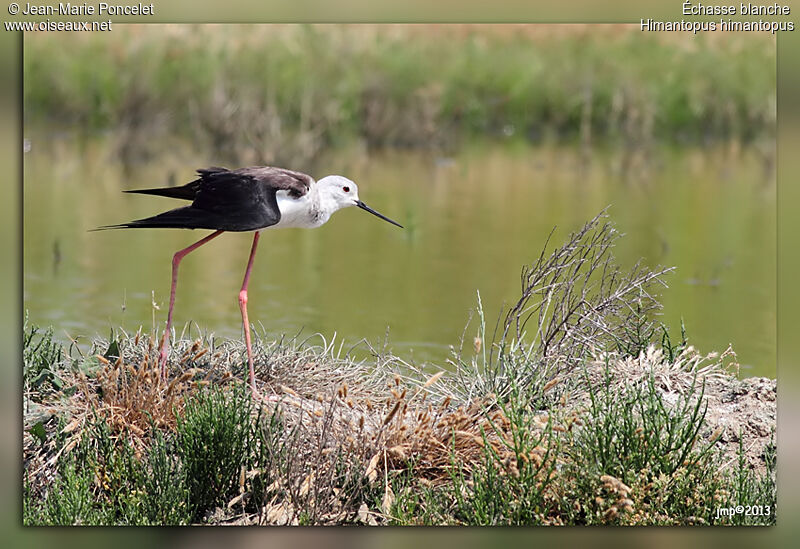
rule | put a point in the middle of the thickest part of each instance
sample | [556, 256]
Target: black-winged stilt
[247, 199]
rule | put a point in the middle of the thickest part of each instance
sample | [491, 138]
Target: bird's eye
[346, 189]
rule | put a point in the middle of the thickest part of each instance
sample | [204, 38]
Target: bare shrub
[579, 299]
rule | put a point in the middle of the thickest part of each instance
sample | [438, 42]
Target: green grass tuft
[215, 437]
[40, 356]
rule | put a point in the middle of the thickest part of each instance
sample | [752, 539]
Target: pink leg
[243, 308]
[176, 261]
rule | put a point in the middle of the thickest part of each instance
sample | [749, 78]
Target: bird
[245, 200]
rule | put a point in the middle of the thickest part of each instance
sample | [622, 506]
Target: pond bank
[601, 417]
[335, 441]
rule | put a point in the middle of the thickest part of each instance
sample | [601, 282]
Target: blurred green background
[787, 164]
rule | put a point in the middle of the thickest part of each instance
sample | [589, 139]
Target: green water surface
[471, 221]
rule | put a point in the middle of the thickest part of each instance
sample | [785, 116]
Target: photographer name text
[101, 8]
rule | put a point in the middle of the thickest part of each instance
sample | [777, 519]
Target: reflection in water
[471, 222]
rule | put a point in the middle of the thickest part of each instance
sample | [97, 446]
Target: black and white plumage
[247, 199]
[250, 199]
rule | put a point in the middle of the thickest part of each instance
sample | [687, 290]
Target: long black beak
[373, 212]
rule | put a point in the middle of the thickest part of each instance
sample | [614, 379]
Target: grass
[215, 436]
[621, 433]
[636, 429]
[40, 354]
[282, 94]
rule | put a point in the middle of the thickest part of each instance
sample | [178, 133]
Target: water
[471, 222]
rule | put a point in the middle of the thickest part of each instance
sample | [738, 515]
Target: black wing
[227, 200]
[296, 183]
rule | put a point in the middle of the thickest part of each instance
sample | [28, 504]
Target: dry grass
[677, 375]
[503, 439]
[573, 300]
[327, 404]
[130, 393]
[351, 437]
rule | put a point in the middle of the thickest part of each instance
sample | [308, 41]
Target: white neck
[304, 212]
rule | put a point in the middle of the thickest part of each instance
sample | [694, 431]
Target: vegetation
[282, 94]
[515, 434]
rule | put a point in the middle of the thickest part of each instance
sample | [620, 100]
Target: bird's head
[341, 192]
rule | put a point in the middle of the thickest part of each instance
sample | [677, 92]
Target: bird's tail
[107, 227]
[179, 218]
[185, 192]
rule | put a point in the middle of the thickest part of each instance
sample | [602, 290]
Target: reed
[282, 94]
